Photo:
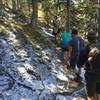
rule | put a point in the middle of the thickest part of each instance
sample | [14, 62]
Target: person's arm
[70, 47]
[82, 58]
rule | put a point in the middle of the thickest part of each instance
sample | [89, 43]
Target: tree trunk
[98, 17]
[18, 4]
[68, 16]
[14, 5]
[1, 5]
[99, 21]
[29, 7]
[1, 1]
[34, 13]
[6, 3]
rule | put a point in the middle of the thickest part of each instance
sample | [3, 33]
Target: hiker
[56, 24]
[90, 58]
[75, 45]
[65, 38]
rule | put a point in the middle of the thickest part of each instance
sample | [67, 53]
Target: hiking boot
[78, 78]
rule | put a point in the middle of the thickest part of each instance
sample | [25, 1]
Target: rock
[43, 71]
[46, 58]
[38, 47]
[60, 97]
[63, 87]
[1, 97]
[34, 84]
[0, 60]
[62, 77]
[46, 95]
[20, 93]
[81, 93]
[6, 83]
[50, 84]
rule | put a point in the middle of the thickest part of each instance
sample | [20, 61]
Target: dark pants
[92, 85]
[74, 60]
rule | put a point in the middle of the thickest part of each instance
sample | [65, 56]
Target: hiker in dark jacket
[75, 45]
[92, 74]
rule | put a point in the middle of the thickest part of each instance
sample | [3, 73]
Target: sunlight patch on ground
[24, 74]
[21, 70]
[62, 77]
[3, 28]
[23, 99]
[32, 36]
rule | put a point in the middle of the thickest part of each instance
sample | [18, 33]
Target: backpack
[94, 58]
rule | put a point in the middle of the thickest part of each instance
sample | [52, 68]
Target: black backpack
[94, 58]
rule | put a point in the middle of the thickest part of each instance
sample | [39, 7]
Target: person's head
[91, 36]
[74, 32]
[63, 29]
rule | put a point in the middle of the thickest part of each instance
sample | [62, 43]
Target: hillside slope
[28, 71]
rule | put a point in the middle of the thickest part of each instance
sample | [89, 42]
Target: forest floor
[29, 66]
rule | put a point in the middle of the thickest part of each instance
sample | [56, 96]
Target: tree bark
[34, 13]
[68, 16]
[18, 4]
[1, 1]
[1, 5]
[6, 3]
[99, 21]
[29, 7]
[14, 5]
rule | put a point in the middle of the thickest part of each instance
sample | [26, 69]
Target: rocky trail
[28, 73]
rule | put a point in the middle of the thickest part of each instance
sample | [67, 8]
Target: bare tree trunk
[6, 3]
[2, 6]
[14, 5]
[68, 15]
[98, 17]
[34, 13]
[29, 7]
[1, 1]
[18, 4]
[99, 21]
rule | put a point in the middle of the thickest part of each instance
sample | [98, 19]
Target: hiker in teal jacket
[65, 38]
